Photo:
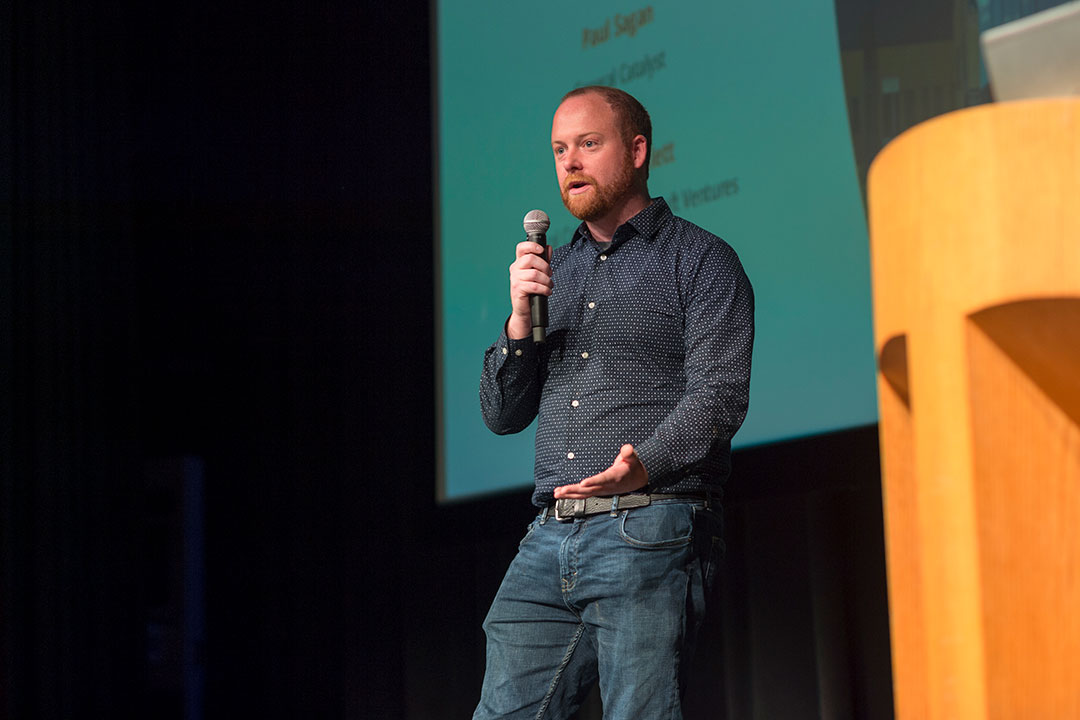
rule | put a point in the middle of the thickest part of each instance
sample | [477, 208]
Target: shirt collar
[646, 224]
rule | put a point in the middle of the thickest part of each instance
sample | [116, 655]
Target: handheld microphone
[536, 225]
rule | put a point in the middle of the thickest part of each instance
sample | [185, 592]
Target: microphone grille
[536, 221]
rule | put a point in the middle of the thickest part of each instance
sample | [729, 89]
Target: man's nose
[571, 160]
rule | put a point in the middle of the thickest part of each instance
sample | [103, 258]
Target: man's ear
[640, 150]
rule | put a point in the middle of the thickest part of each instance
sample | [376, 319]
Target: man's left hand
[625, 475]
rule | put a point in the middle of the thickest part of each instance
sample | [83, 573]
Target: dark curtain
[69, 449]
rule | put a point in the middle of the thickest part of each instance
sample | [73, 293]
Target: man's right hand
[530, 274]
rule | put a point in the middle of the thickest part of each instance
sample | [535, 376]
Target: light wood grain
[975, 210]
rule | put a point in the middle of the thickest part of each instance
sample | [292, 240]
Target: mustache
[576, 178]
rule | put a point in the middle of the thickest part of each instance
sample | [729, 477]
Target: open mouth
[577, 187]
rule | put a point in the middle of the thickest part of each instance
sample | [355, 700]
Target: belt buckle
[566, 509]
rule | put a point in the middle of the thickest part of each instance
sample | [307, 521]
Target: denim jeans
[615, 599]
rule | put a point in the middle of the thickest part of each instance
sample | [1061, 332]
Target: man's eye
[590, 143]
[560, 151]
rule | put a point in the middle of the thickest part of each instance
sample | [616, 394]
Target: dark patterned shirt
[649, 343]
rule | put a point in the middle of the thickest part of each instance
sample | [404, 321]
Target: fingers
[582, 490]
[592, 485]
[526, 283]
[530, 267]
[599, 481]
[530, 274]
[527, 247]
[605, 483]
[530, 254]
[626, 474]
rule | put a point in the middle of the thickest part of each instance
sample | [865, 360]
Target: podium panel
[975, 251]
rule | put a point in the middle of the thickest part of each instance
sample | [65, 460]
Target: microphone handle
[538, 304]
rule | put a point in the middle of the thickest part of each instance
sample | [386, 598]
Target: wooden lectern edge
[959, 221]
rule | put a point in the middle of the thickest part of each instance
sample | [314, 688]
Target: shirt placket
[585, 356]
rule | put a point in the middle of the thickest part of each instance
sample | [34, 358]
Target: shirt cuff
[656, 458]
[523, 349]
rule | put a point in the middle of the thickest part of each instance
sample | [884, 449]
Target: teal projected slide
[750, 141]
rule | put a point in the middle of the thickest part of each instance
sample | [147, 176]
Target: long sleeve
[719, 338]
[510, 385]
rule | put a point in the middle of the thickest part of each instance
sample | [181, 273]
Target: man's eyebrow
[579, 136]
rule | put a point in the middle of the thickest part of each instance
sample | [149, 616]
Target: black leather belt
[566, 509]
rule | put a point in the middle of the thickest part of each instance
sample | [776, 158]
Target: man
[647, 361]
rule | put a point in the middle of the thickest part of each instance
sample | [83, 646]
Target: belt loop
[615, 506]
[544, 514]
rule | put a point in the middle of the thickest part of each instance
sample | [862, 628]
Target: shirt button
[569, 456]
[603, 257]
[517, 352]
[575, 403]
[592, 305]
[505, 351]
[585, 355]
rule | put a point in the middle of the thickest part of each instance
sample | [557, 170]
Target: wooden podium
[975, 244]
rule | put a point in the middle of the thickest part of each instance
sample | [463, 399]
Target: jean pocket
[662, 525]
[529, 531]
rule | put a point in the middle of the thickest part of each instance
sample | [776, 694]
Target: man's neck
[603, 229]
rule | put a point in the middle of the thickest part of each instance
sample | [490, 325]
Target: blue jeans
[615, 599]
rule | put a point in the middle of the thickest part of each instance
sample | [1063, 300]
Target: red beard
[603, 198]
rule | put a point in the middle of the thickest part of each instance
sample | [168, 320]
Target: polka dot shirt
[649, 343]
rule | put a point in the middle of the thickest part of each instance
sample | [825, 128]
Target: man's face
[593, 163]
